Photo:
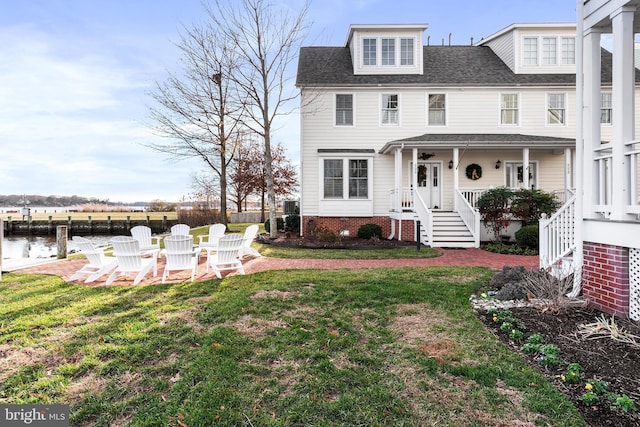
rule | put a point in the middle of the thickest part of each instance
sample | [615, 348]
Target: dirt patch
[282, 295]
[255, 327]
[606, 359]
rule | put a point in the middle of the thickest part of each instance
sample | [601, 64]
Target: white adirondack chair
[249, 235]
[180, 230]
[131, 260]
[209, 243]
[227, 254]
[99, 263]
[181, 255]
[147, 242]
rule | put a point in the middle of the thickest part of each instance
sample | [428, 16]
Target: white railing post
[470, 216]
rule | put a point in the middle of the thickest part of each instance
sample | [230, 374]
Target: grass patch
[337, 347]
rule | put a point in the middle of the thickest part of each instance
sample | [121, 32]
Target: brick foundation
[605, 278]
[352, 224]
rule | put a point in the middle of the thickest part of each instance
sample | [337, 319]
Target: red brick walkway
[449, 257]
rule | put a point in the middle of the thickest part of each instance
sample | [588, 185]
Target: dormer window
[548, 51]
[388, 52]
[568, 50]
[530, 55]
[392, 51]
[369, 51]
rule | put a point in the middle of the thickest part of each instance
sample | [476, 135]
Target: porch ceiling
[485, 141]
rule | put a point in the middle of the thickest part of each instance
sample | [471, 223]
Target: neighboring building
[400, 134]
[608, 198]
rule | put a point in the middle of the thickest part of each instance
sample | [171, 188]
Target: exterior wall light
[450, 164]
[498, 164]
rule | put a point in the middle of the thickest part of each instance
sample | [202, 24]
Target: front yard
[339, 347]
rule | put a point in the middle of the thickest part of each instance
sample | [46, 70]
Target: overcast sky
[75, 77]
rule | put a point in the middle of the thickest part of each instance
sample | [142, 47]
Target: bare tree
[242, 179]
[200, 111]
[267, 42]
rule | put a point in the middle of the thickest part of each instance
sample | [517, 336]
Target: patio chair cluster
[139, 253]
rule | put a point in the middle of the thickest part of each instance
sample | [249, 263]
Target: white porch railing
[603, 159]
[426, 219]
[469, 215]
[632, 159]
[472, 195]
[557, 235]
[401, 200]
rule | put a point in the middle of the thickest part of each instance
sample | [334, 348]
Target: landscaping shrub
[529, 205]
[292, 223]
[369, 231]
[528, 237]
[493, 205]
[279, 224]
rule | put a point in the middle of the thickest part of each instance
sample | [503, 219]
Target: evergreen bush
[369, 231]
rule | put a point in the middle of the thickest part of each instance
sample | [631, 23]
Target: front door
[429, 178]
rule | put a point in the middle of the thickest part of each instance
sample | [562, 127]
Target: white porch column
[588, 181]
[525, 169]
[623, 76]
[414, 170]
[397, 184]
[568, 173]
[456, 177]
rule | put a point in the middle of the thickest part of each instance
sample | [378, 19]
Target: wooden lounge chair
[99, 263]
[181, 255]
[130, 260]
[227, 254]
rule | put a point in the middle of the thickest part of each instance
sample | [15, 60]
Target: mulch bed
[294, 241]
[603, 358]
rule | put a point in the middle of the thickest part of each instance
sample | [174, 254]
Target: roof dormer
[547, 48]
[386, 49]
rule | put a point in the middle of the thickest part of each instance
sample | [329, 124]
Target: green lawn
[388, 347]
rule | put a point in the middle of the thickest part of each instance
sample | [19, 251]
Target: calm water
[14, 247]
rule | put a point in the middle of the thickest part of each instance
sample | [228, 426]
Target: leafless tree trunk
[267, 42]
[200, 111]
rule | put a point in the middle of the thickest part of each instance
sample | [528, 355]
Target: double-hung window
[509, 109]
[388, 56]
[556, 110]
[390, 110]
[358, 179]
[406, 51]
[605, 108]
[333, 179]
[530, 51]
[344, 109]
[437, 110]
[356, 172]
[369, 51]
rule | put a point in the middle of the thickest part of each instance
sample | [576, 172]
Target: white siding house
[607, 209]
[407, 136]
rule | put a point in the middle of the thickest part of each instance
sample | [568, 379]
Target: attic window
[369, 51]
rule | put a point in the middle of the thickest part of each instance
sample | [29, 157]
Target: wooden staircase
[450, 231]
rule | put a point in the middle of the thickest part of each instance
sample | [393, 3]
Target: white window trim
[546, 110]
[380, 103]
[540, 50]
[353, 106]
[519, 162]
[345, 157]
[446, 110]
[610, 108]
[518, 110]
[397, 49]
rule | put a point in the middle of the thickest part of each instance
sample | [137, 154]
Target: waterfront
[40, 247]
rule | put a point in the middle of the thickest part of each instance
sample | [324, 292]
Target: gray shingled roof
[443, 65]
[483, 140]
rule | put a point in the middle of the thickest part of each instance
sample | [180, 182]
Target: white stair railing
[557, 235]
[469, 215]
[425, 216]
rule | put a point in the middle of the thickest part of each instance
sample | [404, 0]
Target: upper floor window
[530, 53]
[388, 56]
[549, 51]
[369, 51]
[556, 110]
[509, 109]
[605, 108]
[344, 109]
[406, 51]
[568, 50]
[389, 110]
[437, 109]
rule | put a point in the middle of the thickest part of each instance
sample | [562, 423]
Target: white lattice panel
[634, 284]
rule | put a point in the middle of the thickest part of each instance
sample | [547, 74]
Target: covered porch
[439, 174]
